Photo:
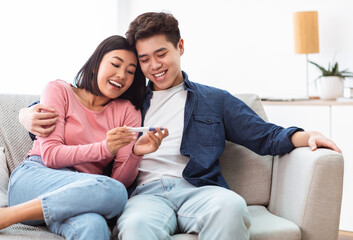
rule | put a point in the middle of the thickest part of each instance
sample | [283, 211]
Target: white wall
[247, 46]
[42, 40]
[241, 46]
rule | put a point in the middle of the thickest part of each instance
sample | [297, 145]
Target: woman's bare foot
[31, 210]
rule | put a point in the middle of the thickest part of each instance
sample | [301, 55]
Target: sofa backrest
[13, 137]
[246, 172]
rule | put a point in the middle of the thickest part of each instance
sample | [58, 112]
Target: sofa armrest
[307, 189]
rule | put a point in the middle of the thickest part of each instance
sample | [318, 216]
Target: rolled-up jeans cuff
[45, 208]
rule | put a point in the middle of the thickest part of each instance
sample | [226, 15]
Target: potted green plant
[330, 82]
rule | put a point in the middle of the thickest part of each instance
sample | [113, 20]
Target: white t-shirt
[166, 110]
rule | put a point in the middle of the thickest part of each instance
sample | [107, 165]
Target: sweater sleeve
[125, 168]
[54, 152]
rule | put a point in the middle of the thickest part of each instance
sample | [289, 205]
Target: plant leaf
[332, 70]
[322, 69]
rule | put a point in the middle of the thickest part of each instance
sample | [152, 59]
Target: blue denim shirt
[31, 135]
[212, 116]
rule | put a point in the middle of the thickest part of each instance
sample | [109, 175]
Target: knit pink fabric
[79, 137]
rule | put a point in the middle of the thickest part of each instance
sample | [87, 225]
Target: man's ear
[181, 46]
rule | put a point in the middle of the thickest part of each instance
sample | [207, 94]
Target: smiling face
[160, 61]
[116, 73]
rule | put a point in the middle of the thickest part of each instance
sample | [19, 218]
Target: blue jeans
[75, 205]
[162, 208]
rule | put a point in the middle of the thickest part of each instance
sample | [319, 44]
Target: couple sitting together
[83, 129]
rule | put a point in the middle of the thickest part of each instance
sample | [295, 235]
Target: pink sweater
[79, 137]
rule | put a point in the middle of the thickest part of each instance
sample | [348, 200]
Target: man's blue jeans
[161, 208]
[75, 205]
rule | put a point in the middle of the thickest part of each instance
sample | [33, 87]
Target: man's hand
[313, 140]
[149, 142]
[37, 122]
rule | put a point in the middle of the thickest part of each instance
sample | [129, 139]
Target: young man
[180, 187]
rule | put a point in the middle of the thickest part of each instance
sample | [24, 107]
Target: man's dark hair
[153, 23]
[86, 78]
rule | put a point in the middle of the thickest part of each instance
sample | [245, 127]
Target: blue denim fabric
[212, 116]
[74, 204]
[31, 135]
[159, 209]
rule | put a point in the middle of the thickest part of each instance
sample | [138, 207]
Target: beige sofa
[291, 197]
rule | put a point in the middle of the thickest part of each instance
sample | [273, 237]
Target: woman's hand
[40, 123]
[149, 142]
[119, 137]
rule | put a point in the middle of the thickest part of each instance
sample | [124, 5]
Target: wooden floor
[345, 235]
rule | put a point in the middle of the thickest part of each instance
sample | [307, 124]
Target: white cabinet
[334, 120]
[342, 134]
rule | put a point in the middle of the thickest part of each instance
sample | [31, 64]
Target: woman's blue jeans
[75, 205]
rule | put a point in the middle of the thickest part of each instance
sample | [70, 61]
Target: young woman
[61, 183]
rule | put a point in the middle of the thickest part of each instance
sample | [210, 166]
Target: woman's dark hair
[153, 23]
[86, 78]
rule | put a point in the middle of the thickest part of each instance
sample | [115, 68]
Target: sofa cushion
[13, 137]
[24, 232]
[4, 178]
[246, 172]
[266, 226]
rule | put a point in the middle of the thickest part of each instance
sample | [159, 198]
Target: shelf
[309, 102]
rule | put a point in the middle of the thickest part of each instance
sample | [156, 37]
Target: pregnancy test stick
[142, 129]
